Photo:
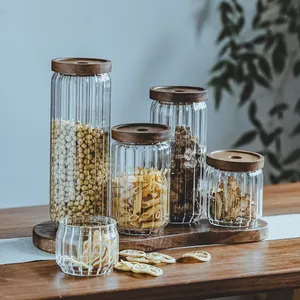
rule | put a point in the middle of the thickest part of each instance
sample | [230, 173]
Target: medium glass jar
[87, 245]
[234, 188]
[184, 109]
[80, 137]
[140, 177]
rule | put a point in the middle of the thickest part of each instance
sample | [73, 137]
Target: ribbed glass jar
[140, 177]
[80, 137]
[235, 188]
[87, 245]
[184, 109]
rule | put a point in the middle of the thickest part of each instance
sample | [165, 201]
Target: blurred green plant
[262, 57]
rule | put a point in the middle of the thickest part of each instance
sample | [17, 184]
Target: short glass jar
[234, 188]
[87, 245]
[80, 137]
[184, 109]
[141, 177]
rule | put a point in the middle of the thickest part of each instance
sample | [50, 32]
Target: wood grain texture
[234, 269]
[141, 133]
[44, 235]
[282, 199]
[81, 66]
[174, 236]
[17, 222]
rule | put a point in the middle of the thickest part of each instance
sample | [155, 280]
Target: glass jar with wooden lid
[80, 137]
[184, 109]
[234, 188]
[141, 177]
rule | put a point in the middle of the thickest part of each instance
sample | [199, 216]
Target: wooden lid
[235, 160]
[141, 133]
[81, 66]
[178, 94]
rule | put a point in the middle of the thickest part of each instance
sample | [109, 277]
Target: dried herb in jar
[230, 205]
[186, 173]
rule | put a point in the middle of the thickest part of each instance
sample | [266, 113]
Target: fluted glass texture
[234, 199]
[80, 145]
[188, 143]
[140, 187]
[87, 245]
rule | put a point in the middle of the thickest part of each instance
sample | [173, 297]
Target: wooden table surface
[234, 269]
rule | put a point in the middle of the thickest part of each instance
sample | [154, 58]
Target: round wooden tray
[172, 237]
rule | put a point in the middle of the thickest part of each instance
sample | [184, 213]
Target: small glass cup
[87, 245]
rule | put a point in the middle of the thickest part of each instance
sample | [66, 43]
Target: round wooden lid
[235, 160]
[141, 133]
[81, 66]
[178, 94]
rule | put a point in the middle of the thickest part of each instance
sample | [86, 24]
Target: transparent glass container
[234, 188]
[184, 109]
[140, 177]
[80, 137]
[87, 245]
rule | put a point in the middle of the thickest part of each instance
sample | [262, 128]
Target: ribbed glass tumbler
[87, 245]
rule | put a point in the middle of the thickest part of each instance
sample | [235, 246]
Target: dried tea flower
[230, 205]
[186, 173]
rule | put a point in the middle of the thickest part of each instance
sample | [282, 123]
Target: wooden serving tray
[173, 236]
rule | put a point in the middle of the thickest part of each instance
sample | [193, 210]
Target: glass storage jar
[80, 137]
[234, 188]
[184, 109]
[87, 245]
[140, 177]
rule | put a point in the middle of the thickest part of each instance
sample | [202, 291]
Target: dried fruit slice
[132, 253]
[156, 256]
[138, 268]
[148, 269]
[121, 266]
[145, 260]
[200, 255]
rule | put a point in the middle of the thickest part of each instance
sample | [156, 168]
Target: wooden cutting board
[173, 236]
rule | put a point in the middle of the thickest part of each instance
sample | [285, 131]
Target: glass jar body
[80, 145]
[234, 199]
[188, 123]
[87, 245]
[140, 187]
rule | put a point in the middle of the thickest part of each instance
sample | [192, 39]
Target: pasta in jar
[140, 186]
[140, 201]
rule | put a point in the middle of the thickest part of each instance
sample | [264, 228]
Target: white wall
[150, 43]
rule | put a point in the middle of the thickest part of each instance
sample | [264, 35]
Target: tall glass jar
[234, 188]
[140, 177]
[184, 109]
[80, 137]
